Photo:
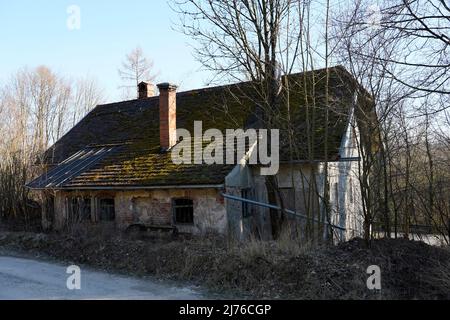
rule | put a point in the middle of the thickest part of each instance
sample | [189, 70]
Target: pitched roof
[130, 131]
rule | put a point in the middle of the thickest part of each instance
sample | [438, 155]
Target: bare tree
[136, 68]
[38, 101]
[86, 94]
[242, 40]
[399, 55]
[37, 107]
[421, 31]
[263, 41]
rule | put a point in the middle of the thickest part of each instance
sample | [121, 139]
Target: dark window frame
[102, 205]
[183, 206]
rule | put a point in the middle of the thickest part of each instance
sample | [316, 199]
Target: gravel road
[31, 279]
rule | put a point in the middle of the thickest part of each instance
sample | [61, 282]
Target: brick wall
[167, 115]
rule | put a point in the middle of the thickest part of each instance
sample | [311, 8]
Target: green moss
[136, 125]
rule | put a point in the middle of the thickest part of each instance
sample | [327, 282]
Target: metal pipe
[271, 206]
[346, 159]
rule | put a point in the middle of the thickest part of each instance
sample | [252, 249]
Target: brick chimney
[146, 90]
[167, 115]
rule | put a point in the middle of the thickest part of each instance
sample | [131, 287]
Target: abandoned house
[114, 167]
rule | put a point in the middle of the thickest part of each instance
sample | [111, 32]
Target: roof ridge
[218, 87]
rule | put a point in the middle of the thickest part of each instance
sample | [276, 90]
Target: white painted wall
[345, 191]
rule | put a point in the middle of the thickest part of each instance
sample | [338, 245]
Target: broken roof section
[70, 168]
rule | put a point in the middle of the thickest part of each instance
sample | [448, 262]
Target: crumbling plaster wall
[153, 207]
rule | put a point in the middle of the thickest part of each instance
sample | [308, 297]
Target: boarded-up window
[183, 211]
[85, 209]
[107, 210]
[80, 209]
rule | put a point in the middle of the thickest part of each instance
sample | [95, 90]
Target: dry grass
[281, 269]
[438, 277]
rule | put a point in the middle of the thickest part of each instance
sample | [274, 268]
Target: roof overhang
[122, 188]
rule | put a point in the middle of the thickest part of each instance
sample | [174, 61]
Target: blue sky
[35, 32]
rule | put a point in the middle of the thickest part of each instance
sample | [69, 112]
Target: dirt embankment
[409, 270]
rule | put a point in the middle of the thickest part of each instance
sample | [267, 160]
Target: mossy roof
[133, 126]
